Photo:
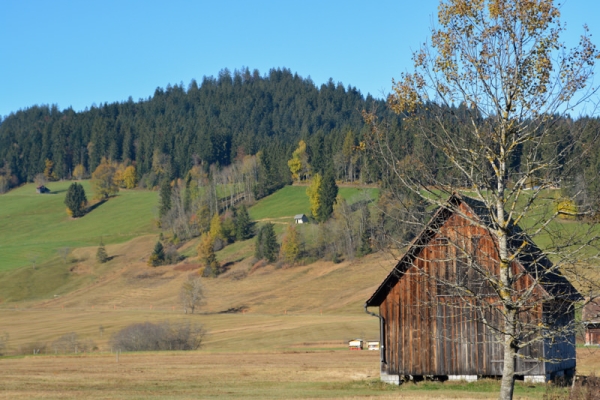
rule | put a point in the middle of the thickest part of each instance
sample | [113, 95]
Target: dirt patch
[187, 267]
[80, 269]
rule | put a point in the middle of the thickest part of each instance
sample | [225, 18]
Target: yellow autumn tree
[314, 194]
[102, 181]
[290, 245]
[206, 255]
[130, 177]
[299, 163]
[49, 172]
[79, 172]
[216, 227]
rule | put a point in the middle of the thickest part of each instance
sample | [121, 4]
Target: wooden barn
[437, 311]
[591, 319]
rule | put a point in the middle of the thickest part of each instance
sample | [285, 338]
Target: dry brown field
[271, 333]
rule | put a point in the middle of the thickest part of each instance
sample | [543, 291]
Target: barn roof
[530, 257]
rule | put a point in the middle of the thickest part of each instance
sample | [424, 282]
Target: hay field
[200, 375]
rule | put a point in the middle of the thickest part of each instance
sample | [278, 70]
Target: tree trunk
[510, 356]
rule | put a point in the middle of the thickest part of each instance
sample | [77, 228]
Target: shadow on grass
[95, 205]
[225, 267]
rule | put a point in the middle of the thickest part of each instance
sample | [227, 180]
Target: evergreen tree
[158, 255]
[243, 224]
[327, 194]
[266, 243]
[75, 200]
[165, 199]
[101, 254]
[365, 244]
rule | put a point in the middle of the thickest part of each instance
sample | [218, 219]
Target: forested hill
[211, 122]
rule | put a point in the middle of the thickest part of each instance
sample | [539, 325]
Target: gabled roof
[299, 216]
[530, 257]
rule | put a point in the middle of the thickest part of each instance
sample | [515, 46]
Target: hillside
[33, 226]
[127, 286]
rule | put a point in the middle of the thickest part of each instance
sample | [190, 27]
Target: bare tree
[191, 293]
[489, 103]
[64, 252]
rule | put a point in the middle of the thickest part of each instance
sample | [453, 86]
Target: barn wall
[431, 329]
[559, 350]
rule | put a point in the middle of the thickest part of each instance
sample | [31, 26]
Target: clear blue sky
[76, 53]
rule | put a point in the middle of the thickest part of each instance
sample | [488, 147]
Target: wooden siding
[431, 328]
[592, 335]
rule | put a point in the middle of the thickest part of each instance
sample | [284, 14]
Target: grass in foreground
[179, 375]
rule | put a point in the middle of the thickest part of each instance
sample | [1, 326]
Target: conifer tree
[75, 200]
[101, 254]
[266, 243]
[328, 194]
[243, 224]
[158, 255]
[165, 199]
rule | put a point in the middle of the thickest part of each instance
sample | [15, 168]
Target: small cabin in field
[42, 189]
[438, 310]
[591, 319]
[300, 219]
[356, 344]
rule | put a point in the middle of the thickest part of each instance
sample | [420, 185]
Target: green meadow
[293, 200]
[34, 226]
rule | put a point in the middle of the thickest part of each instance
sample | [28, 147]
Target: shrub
[158, 255]
[566, 209]
[70, 343]
[150, 336]
[101, 254]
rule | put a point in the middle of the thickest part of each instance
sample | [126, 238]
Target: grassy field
[292, 200]
[302, 374]
[33, 226]
[272, 333]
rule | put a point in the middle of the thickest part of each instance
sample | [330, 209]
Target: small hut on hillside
[300, 219]
[430, 328]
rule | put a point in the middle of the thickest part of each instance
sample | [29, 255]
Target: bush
[70, 343]
[101, 254]
[150, 336]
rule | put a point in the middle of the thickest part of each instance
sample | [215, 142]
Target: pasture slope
[271, 333]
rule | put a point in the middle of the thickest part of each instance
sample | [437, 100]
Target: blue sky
[76, 53]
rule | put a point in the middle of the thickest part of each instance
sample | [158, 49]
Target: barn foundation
[467, 378]
[391, 379]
